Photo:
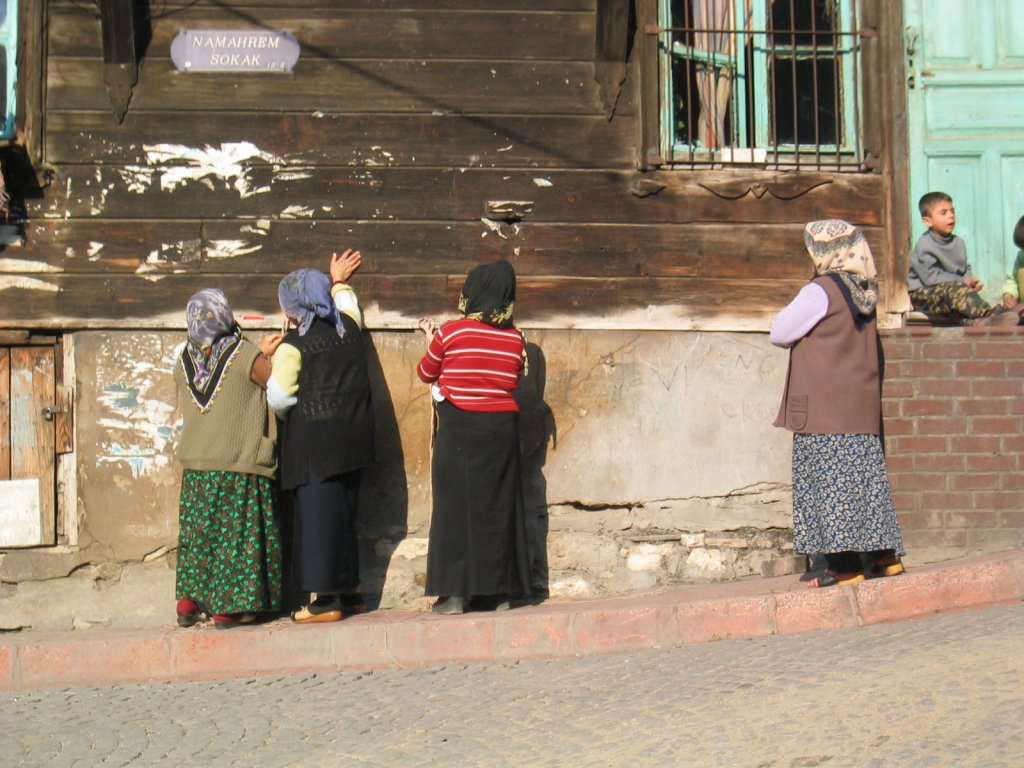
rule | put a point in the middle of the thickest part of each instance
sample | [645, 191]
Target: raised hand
[344, 265]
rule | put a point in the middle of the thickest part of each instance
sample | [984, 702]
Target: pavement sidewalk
[393, 639]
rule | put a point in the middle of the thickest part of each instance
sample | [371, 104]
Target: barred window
[766, 82]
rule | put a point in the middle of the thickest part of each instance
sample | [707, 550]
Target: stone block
[925, 592]
[572, 551]
[439, 639]
[625, 628]
[7, 655]
[705, 564]
[572, 587]
[784, 566]
[739, 617]
[205, 652]
[806, 610]
[535, 634]
[649, 557]
[115, 657]
[361, 641]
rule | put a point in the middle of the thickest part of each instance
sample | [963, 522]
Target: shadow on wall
[20, 183]
[536, 429]
[384, 498]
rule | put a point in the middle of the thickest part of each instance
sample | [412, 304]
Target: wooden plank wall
[401, 128]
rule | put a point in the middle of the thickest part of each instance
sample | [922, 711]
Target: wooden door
[28, 443]
[965, 103]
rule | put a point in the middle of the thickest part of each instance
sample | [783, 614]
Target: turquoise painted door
[965, 81]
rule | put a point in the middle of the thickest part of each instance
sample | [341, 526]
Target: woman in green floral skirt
[229, 544]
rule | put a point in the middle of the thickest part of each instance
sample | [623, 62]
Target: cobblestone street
[946, 691]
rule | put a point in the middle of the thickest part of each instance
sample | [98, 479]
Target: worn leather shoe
[318, 613]
[449, 606]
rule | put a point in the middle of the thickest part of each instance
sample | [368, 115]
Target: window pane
[803, 17]
[805, 101]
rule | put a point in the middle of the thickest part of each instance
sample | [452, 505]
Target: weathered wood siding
[398, 130]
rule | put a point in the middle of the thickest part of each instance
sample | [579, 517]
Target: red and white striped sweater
[477, 366]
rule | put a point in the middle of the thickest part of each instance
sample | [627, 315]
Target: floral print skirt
[229, 542]
[841, 497]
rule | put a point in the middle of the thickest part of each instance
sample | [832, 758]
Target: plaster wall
[649, 458]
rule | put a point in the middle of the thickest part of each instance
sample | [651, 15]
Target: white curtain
[713, 19]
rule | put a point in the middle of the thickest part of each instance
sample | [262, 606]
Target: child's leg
[954, 299]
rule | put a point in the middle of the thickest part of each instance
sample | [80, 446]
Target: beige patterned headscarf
[838, 247]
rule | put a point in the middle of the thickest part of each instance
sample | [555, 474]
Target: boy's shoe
[1000, 316]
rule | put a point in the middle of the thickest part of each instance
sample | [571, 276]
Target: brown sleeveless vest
[834, 384]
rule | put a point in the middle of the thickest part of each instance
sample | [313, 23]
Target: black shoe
[489, 603]
[448, 606]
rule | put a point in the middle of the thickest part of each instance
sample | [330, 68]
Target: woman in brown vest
[842, 505]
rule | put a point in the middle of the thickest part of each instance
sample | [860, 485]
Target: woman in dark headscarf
[321, 390]
[476, 557]
[842, 505]
[229, 548]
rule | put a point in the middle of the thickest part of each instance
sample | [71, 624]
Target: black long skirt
[325, 545]
[477, 544]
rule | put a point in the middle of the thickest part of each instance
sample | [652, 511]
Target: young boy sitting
[940, 280]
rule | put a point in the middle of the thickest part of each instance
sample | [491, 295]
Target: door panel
[27, 512]
[965, 104]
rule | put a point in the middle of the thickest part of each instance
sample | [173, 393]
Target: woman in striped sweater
[477, 557]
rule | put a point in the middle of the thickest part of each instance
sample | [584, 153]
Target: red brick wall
[953, 402]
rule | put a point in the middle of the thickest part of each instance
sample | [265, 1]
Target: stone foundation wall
[648, 459]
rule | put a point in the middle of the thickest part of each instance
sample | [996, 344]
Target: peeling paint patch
[23, 265]
[134, 428]
[231, 162]
[295, 211]
[94, 250]
[27, 284]
[539, 182]
[227, 249]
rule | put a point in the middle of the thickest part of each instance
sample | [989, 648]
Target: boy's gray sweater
[937, 259]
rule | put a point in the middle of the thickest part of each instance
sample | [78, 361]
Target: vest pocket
[796, 412]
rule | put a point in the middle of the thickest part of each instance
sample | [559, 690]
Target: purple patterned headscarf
[305, 295]
[213, 336]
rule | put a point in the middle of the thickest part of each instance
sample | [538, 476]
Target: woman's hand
[428, 326]
[1009, 300]
[269, 344]
[344, 265]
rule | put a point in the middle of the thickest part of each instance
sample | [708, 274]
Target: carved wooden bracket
[781, 187]
[610, 51]
[645, 187]
[121, 69]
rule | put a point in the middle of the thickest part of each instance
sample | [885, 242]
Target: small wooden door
[965, 101]
[33, 429]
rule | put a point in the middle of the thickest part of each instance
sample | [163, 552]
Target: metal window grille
[771, 83]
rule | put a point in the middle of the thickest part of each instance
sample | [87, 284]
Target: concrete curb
[395, 639]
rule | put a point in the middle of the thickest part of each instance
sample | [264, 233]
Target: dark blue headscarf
[305, 295]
